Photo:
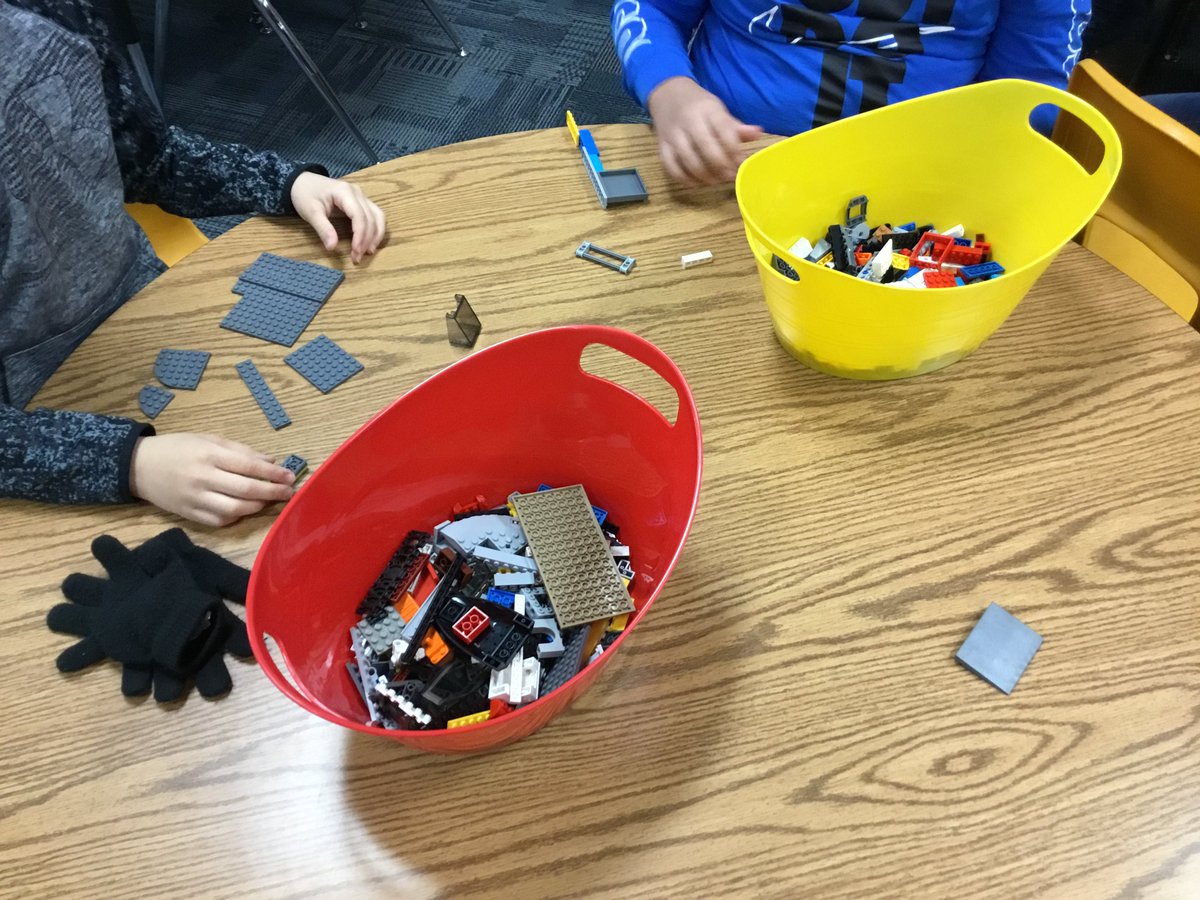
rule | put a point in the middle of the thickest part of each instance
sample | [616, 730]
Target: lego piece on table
[568, 665]
[572, 555]
[612, 186]
[271, 315]
[784, 268]
[323, 363]
[311, 281]
[695, 259]
[297, 465]
[472, 719]
[462, 325]
[999, 648]
[181, 369]
[589, 251]
[501, 533]
[262, 394]
[802, 248]
[472, 624]
[152, 400]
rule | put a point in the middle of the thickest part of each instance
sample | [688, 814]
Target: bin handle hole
[1074, 136]
[602, 361]
[279, 659]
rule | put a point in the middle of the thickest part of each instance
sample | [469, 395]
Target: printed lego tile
[181, 369]
[999, 648]
[152, 400]
[303, 279]
[263, 395]
[323, 363]
[271, 315]
[572, 555]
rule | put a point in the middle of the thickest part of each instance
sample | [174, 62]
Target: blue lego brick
[303, 279]
[271, 315]
[152, 400]
[181, 368]
[297, 465]
[981, 271]
[999, 648]
[262, 394]
[587, 144]
[323, 363]
[962, 242]
[501, 598]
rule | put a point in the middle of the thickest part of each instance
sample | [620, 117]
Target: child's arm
[698, 140]
[70, 457]
[1038, 40]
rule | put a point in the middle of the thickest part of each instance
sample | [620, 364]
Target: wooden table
[790, 719]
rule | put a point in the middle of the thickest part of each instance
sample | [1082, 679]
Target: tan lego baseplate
[572, 555]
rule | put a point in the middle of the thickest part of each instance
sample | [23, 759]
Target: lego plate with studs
[492, 609]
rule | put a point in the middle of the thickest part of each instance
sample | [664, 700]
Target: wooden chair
[1149, 227]
[172, 237]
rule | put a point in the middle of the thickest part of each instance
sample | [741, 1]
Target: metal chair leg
[310, 69]
[433, 8]
[162, 14]
[138, 58]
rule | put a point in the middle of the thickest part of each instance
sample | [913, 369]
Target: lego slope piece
[323, 363]
[181, 369]
[271, 315]
[263, 395]
[572, 555]
[999, 648]
[153, 400]
[309, 280]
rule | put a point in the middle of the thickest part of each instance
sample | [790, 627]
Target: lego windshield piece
[462, 325]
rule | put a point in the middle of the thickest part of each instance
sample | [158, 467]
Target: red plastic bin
[508, 417]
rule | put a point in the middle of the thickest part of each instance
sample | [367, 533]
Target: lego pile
[492, 610]
[905, 256]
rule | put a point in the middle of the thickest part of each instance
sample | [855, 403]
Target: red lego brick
[939, 279]
[472, 624]
[499, 708]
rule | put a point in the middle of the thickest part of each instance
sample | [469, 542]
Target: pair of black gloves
[160, 613]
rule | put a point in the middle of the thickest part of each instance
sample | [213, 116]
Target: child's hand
[699, 141]
[316, 198]
[206, 478]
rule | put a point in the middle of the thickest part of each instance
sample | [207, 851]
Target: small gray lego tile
[572, 555]
[181, 369]
[262, 394]
[303, 279]
[323, 363]
[152, 400]
[271, 315]
[297, 465]
[999, 648]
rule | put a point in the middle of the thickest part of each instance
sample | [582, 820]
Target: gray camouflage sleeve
[66, 457]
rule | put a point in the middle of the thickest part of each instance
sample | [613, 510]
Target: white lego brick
[512, 560]
[802, 248]
[956, 231]
[514, 579]
[695, 259]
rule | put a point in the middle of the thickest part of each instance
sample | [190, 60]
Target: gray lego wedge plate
[323, 363]
[181, 368]
[152, 400]
[262, 394]
[999, 648]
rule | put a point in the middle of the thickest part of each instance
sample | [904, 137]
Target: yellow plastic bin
[968, 156]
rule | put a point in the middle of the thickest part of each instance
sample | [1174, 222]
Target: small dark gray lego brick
[323, 363]
[297, 465]
[262, 394]
[999, 648]
[622, 185]
[271, 315]
[303, 279]
[568, 665]
[181, 368]
[152, 400]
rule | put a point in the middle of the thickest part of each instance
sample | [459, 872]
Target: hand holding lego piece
[699, 141]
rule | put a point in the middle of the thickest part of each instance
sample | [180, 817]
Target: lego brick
[396, 576]
[502, 636]
[567, 666]
[462, 325]
[501, 598]
[784, 268]
[472, 719]
[519, 682]
[856, 211]
[297, 465]
[622, 186]
[999, 648]
[263, 395]
[607, 258]
[498, 532]
[405, 649]
[508, 560]
[801, 249]
[323, 363]
[572, 555]
[472, 624]
[181, 369]
[819, 250]
[152, 400]
[366, 673]
[309, 280]
[982, 271]
[271, 315]
[455, 682]
[695, 259]
[381, 631]
[514, 579]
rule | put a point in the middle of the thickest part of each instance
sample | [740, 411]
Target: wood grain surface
[789, 720]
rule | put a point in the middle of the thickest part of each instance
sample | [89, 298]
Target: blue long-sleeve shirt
[793, 66]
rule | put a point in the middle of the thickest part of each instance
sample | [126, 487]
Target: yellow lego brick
[512, 510]
[826, 259]
[619, 622]
[573, 128]
[900, 261]
[472, 719]
[625, 581]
